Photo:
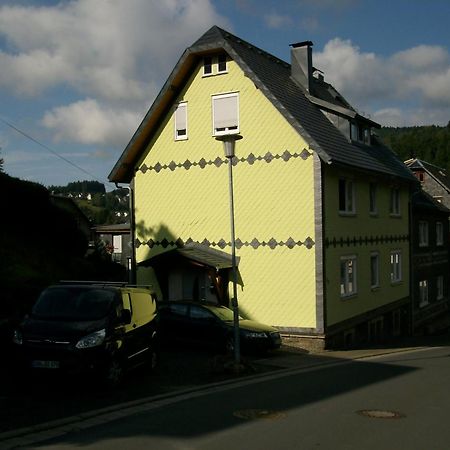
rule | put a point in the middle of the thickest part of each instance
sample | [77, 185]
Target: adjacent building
[321, 206]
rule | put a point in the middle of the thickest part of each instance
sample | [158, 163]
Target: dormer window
[360, 133]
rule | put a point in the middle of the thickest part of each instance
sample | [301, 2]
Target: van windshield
[74, 303]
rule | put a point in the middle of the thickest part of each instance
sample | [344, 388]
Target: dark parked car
[212, 325]
[101, 328]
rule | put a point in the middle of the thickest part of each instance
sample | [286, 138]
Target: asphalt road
[393, 401]
[33, 399]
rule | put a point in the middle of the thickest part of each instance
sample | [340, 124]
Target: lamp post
[229, 142]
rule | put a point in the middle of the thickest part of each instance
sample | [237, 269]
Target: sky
[77, 77]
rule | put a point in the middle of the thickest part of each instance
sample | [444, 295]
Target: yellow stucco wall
[272, 200]
[362, 224]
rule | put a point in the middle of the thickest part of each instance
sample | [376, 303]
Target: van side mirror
[125, 317]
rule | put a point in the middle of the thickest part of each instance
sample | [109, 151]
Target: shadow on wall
[158, 240]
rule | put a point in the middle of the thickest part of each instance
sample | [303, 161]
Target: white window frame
[374, 270]
[205, 65]
[224, 55]
[178, 123]
[423, 233]
[439, 287]
[348, 276]
[439, 233]
[396, 266]
[349, 197]
[220, 131]
[394, 204]
[423, 293]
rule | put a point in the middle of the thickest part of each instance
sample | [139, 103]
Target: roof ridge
[227, 35]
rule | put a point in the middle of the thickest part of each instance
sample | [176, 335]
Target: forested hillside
[101, 207]
[429, 143]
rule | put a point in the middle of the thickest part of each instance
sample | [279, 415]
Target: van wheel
[114, 373]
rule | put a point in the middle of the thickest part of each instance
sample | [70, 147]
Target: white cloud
[413, 83]
[115, 54]
[89, 122]
[276, 21]
[99, 47]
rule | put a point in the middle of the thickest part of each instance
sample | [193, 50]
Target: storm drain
[380, 414]
[253, 414]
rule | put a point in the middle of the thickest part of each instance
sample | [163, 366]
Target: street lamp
[229, 142]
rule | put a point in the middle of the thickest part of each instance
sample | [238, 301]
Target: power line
[31, 138]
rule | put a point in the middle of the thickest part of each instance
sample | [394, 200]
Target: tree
[1, 163]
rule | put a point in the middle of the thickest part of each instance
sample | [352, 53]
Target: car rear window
[74, 303]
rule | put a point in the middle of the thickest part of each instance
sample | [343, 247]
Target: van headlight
[92, 340]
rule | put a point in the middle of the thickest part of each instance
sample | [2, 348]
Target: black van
[95, 327]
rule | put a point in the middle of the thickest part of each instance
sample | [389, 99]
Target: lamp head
[229, 141]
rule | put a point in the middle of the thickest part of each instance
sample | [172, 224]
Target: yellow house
[321, 207]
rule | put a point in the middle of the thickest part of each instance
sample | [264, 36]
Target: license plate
[45, 364]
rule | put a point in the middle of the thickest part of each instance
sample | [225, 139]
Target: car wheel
[114, 373]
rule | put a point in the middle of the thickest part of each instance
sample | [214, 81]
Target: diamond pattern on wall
[254, 243]
[250, 159]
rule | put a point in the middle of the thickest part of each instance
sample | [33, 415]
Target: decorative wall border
[250, 159]
[364, 240]
[222, 243]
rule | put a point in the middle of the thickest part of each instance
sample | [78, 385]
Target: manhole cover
[251, 414]
[380, 414]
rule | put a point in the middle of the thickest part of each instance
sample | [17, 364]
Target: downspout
[132, 268]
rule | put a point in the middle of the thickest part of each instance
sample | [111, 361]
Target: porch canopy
[195, 252]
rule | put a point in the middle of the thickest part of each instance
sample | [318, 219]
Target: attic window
[360, 133]
[181, 122]
[225, 109]
[222, 63]
[207, 65]
[214, 65]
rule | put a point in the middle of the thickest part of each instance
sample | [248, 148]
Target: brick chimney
[301, 64]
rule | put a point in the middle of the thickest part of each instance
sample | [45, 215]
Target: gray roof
[273, 77]
[438, 173]
[196, 252]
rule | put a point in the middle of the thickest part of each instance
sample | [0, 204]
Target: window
[181, 121]
[222, 63]
[346, 196]
[360, 133]
[439, 233]
[373, 198]
[374, 270]
[423, 234]
[225, 113]
[396, 266]
[423, 293]
[348, 276]
[439, 287]
[395, 202]
[214, 65]
[207, 65]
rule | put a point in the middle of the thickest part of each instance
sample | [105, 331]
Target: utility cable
[31, 138]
